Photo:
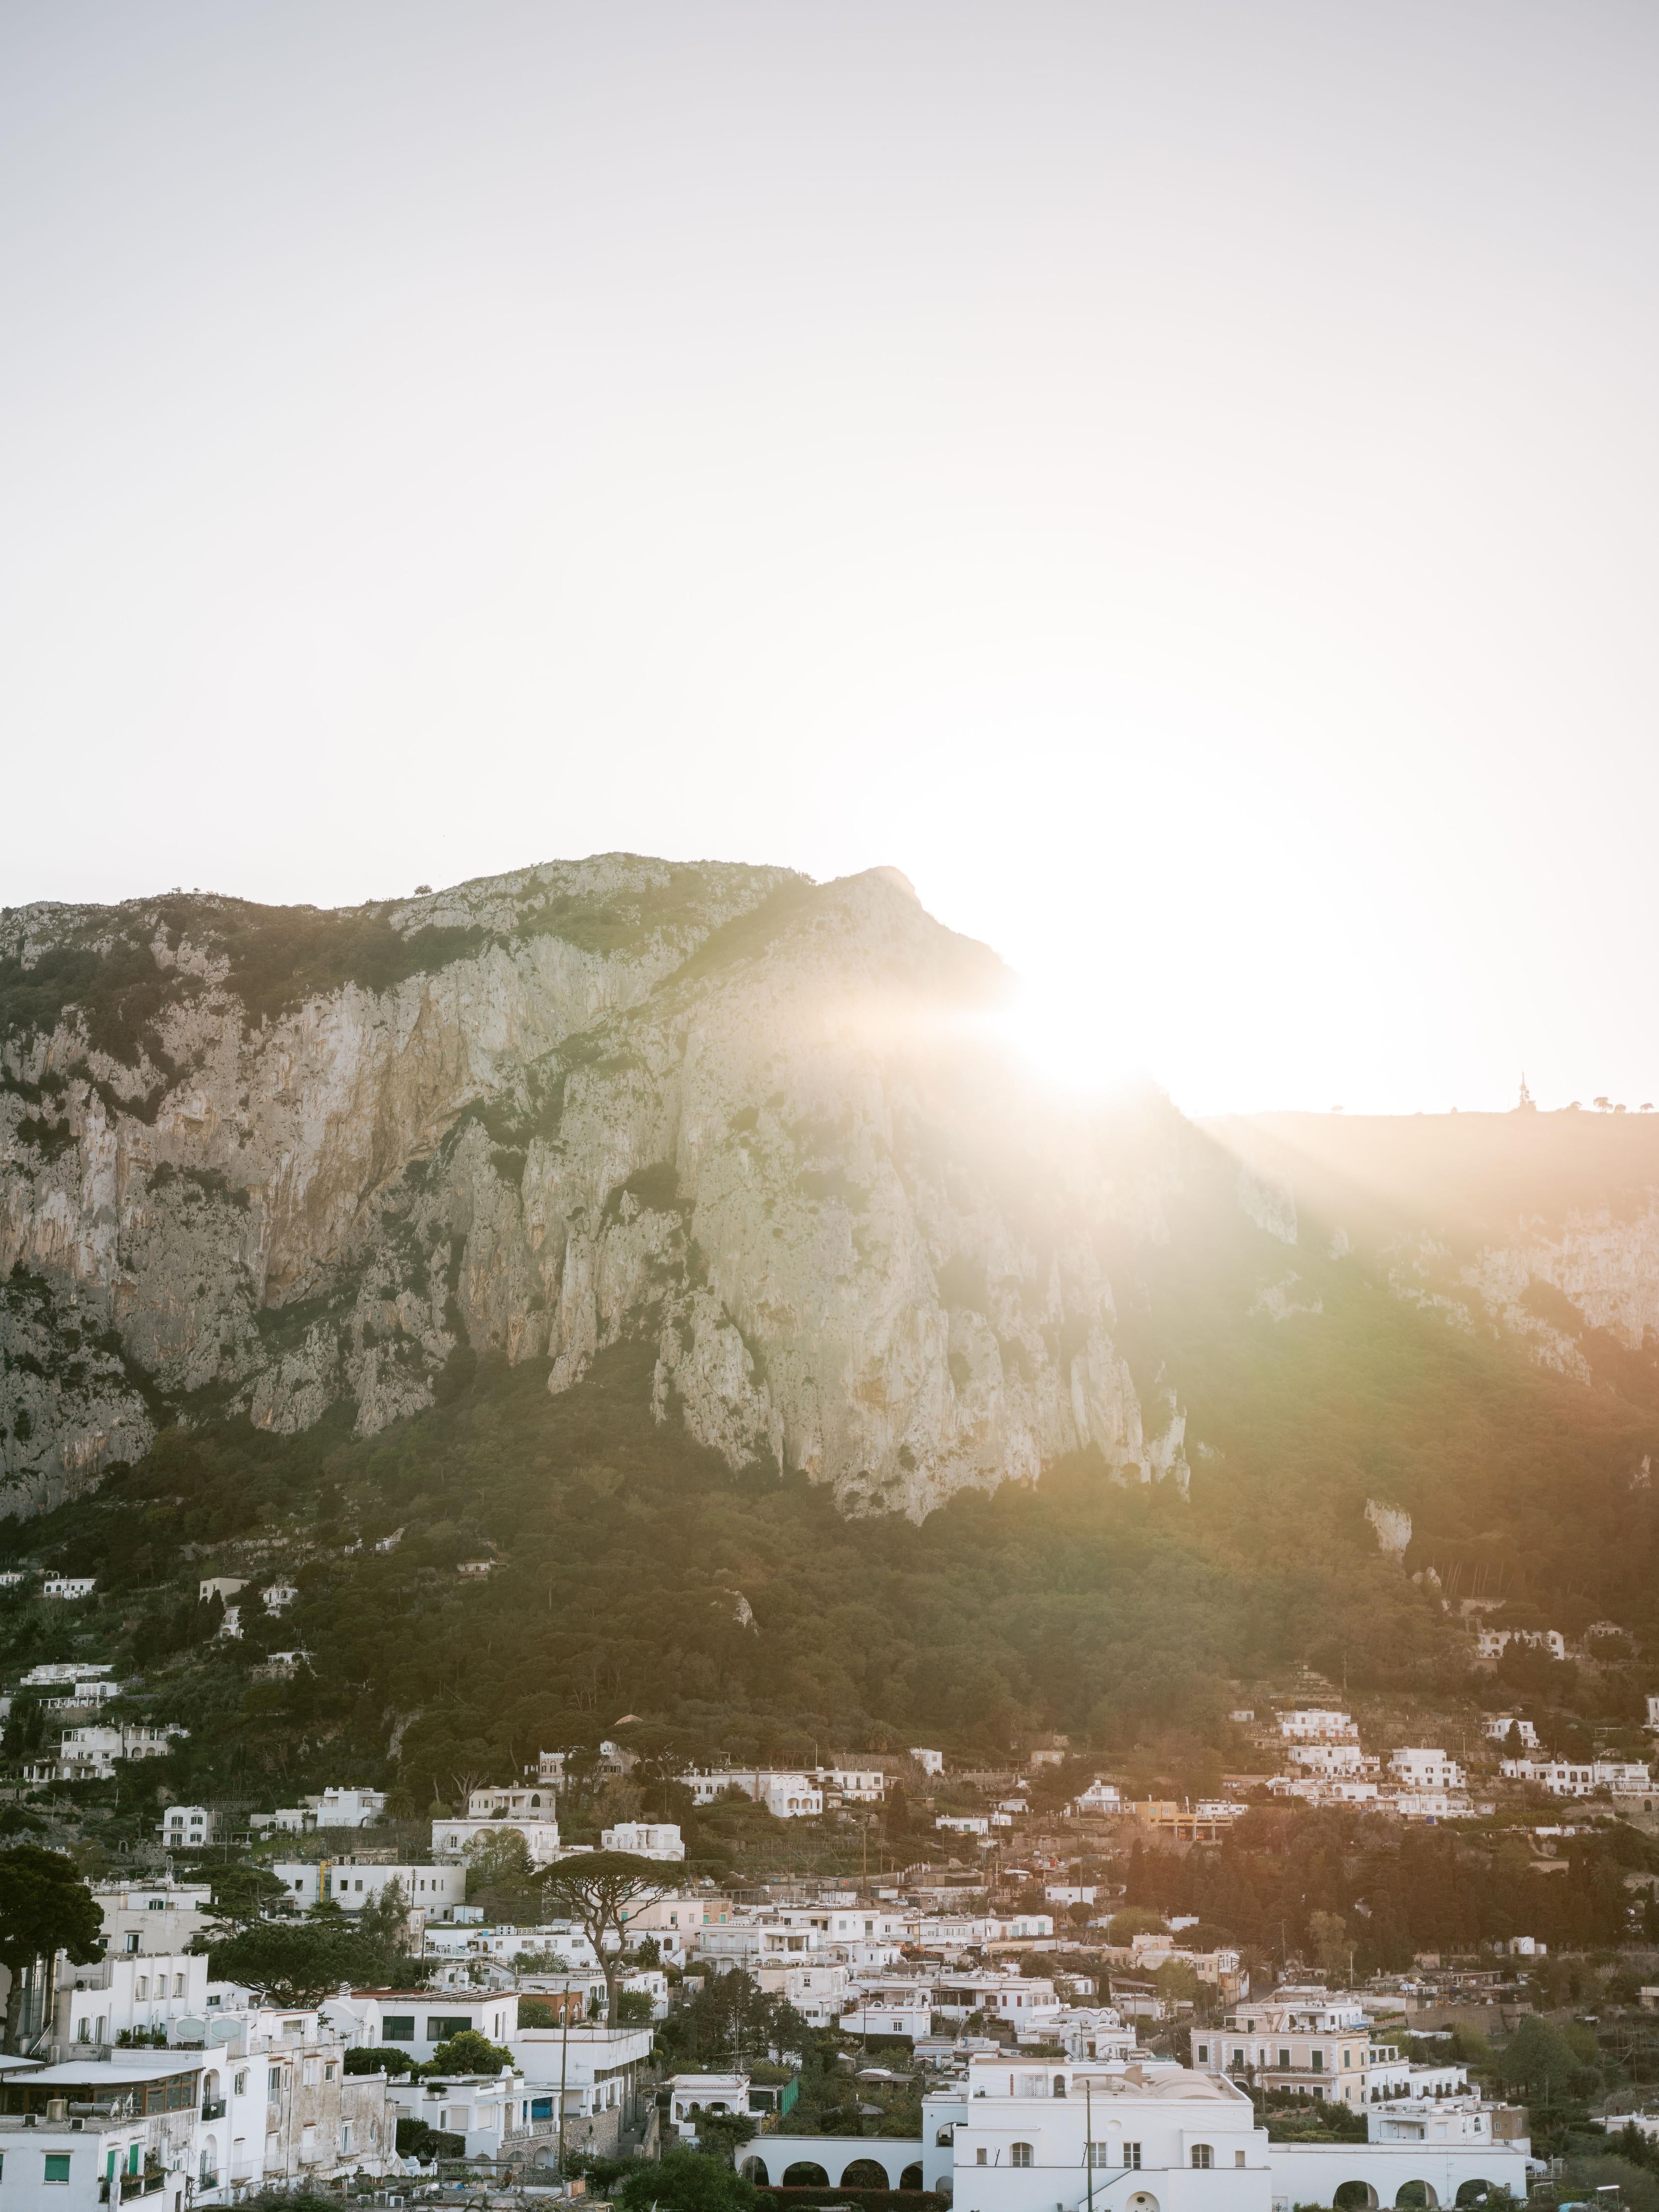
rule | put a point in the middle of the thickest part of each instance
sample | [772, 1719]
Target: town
[1018, 2016]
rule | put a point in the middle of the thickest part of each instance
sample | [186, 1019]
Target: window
[398, 2027]
[439, 2027]
[1020, 2154]
[57, 2166]
[1202, 2054]
[1347, 2055]
[328, 2071]
[1238, 2158]
[980, 2155]
[141, 1988]
[241, 2084]
[1285, 2060]
[178, 1985]
[345, 2135]
[310, 2075]
[1203, 2157]
[1319, 2062]
[132, 1941]
[83, 2031]
[1132, 2153]
[274, 2085]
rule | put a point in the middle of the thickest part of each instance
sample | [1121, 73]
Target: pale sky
[1178, 480]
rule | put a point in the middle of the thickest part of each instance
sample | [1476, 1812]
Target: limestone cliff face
[255, 1163]
[1544, 1227]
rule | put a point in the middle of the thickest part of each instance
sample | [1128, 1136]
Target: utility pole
[564, 2059]
[1088, 2141]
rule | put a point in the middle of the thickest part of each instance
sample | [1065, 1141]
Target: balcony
[213, 2109]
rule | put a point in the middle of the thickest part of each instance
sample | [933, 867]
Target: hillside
[671, 1235]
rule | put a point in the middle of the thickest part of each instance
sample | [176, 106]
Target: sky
[1179, 482]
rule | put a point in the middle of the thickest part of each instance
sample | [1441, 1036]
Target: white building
[485, 2110]
[600, 2066]
[55, 1671]
[1100, 1798]
[417, 2021]
[1491, 1642]
[933, 1762]
[1653, 1712]
[889, 2012]
[353, 1883]
[788, 1796]
[219, 1586]
[1418, 1767]
[124, 1990]
[188, 1827]
[1022, 2002]
[1332, 1759]
[645, 1839]
[278, 1597]
[69, 1587]
[1317, 1724]
[1303, 2039]
[529, 1811]
[347, 1808]
[1569, 1777]
[153, 1915]
[852, 1785]
[963, 1824]
[265, 2103]
[89, 1753]
[1497, 1727]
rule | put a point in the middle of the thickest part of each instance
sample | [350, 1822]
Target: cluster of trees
[1325, 1887]
[44, 1907]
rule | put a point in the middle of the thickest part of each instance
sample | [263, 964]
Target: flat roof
[106, 2075]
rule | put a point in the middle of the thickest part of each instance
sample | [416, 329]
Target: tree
[1328, 1935]
[298, 1964]
[382, 1928]
[686, 2181]
[1538, 2059]
[469, 2053]
[242, 1894]
[499, 1877]
[600, 1891]
[724, 2133]
[45, 1908]
[378, 2058]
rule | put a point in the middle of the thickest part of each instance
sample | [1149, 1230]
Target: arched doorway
[1474, 2191]
[911, 2177]
[864, 2174]
[1355, 2196]
[754, 2169]
[804, 2174]
[1416, 2197]
[1143, 2201]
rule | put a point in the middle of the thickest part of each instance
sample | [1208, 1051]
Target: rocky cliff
[1541, 1226]
[266, 1164]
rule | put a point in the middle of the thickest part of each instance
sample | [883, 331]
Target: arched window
[1020, 2154]
[1060, 2085]
[1203, 2157]
[946, 2135]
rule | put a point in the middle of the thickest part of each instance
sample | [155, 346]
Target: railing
[213, 2109]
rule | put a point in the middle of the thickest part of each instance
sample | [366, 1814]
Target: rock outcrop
[268, 1161]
